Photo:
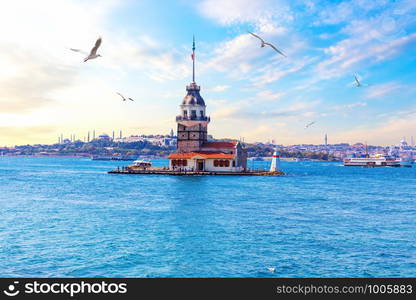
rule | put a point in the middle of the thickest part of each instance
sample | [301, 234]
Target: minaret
[326, 139]
[192, 121]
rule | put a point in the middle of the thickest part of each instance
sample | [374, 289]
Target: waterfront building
[194, 151]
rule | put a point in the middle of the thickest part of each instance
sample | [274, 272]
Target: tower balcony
[193, 118]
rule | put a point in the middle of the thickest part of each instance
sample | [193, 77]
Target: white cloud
[218, 88]
[371, 38]
[387, 132]
[349, 106]
[234, 56]
[272, 73]
[268, 95]
[264, 14]
[381, 90]
[35, 60]
[247, 111]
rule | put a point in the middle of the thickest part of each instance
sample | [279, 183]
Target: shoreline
[144, 157]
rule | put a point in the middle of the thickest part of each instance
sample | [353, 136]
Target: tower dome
[193, 97]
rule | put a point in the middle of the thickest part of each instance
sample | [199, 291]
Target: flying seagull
[264, 43]
[358, 83]
[309, 124]
[124, 98]
[93, 53]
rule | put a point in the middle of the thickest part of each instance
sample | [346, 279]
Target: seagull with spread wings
[264, 43]
[124, 98]
[93, 53]
[309, 124]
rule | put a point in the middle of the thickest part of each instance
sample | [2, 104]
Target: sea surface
[67, 217]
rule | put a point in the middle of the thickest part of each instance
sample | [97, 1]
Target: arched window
[215, 163]
[227, 163]
[221, 163]
[234, 163]
[184, 163]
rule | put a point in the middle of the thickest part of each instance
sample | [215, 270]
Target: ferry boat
[378, 160]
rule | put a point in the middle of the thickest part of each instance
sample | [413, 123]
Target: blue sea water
[67, 217]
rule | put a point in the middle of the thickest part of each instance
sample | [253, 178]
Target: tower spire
[193, 59]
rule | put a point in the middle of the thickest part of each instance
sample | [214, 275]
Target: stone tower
[192, 121]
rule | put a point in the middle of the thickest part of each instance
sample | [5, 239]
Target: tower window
[202, 113]
[185, 113]
[193, 113]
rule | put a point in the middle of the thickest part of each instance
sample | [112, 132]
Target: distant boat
[289, 159]
[140, 164]
[378, 160]
[257, 158]
[114, 157]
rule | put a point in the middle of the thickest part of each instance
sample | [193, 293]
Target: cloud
[218, 88]
[349, 53]
[34, 60]
[388, 132]
[20, 135]
[336, 13]
[272, 73]
[234, 56]
[381, 90]
[263, 14]
[29, 87]
[236, 112]
[371, 37]
[349, 106]
[268, 95]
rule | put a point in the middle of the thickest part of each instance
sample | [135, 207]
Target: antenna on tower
[193, 59]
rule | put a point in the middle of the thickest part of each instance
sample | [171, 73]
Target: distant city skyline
[91, 135]
[47, 90]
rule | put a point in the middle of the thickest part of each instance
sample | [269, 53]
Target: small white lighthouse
[275, 162]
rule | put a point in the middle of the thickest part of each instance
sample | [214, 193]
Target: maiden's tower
[194, 151]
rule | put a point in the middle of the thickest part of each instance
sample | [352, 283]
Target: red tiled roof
[189, 155]
[219, 145]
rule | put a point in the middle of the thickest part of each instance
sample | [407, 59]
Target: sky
[252, 93]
